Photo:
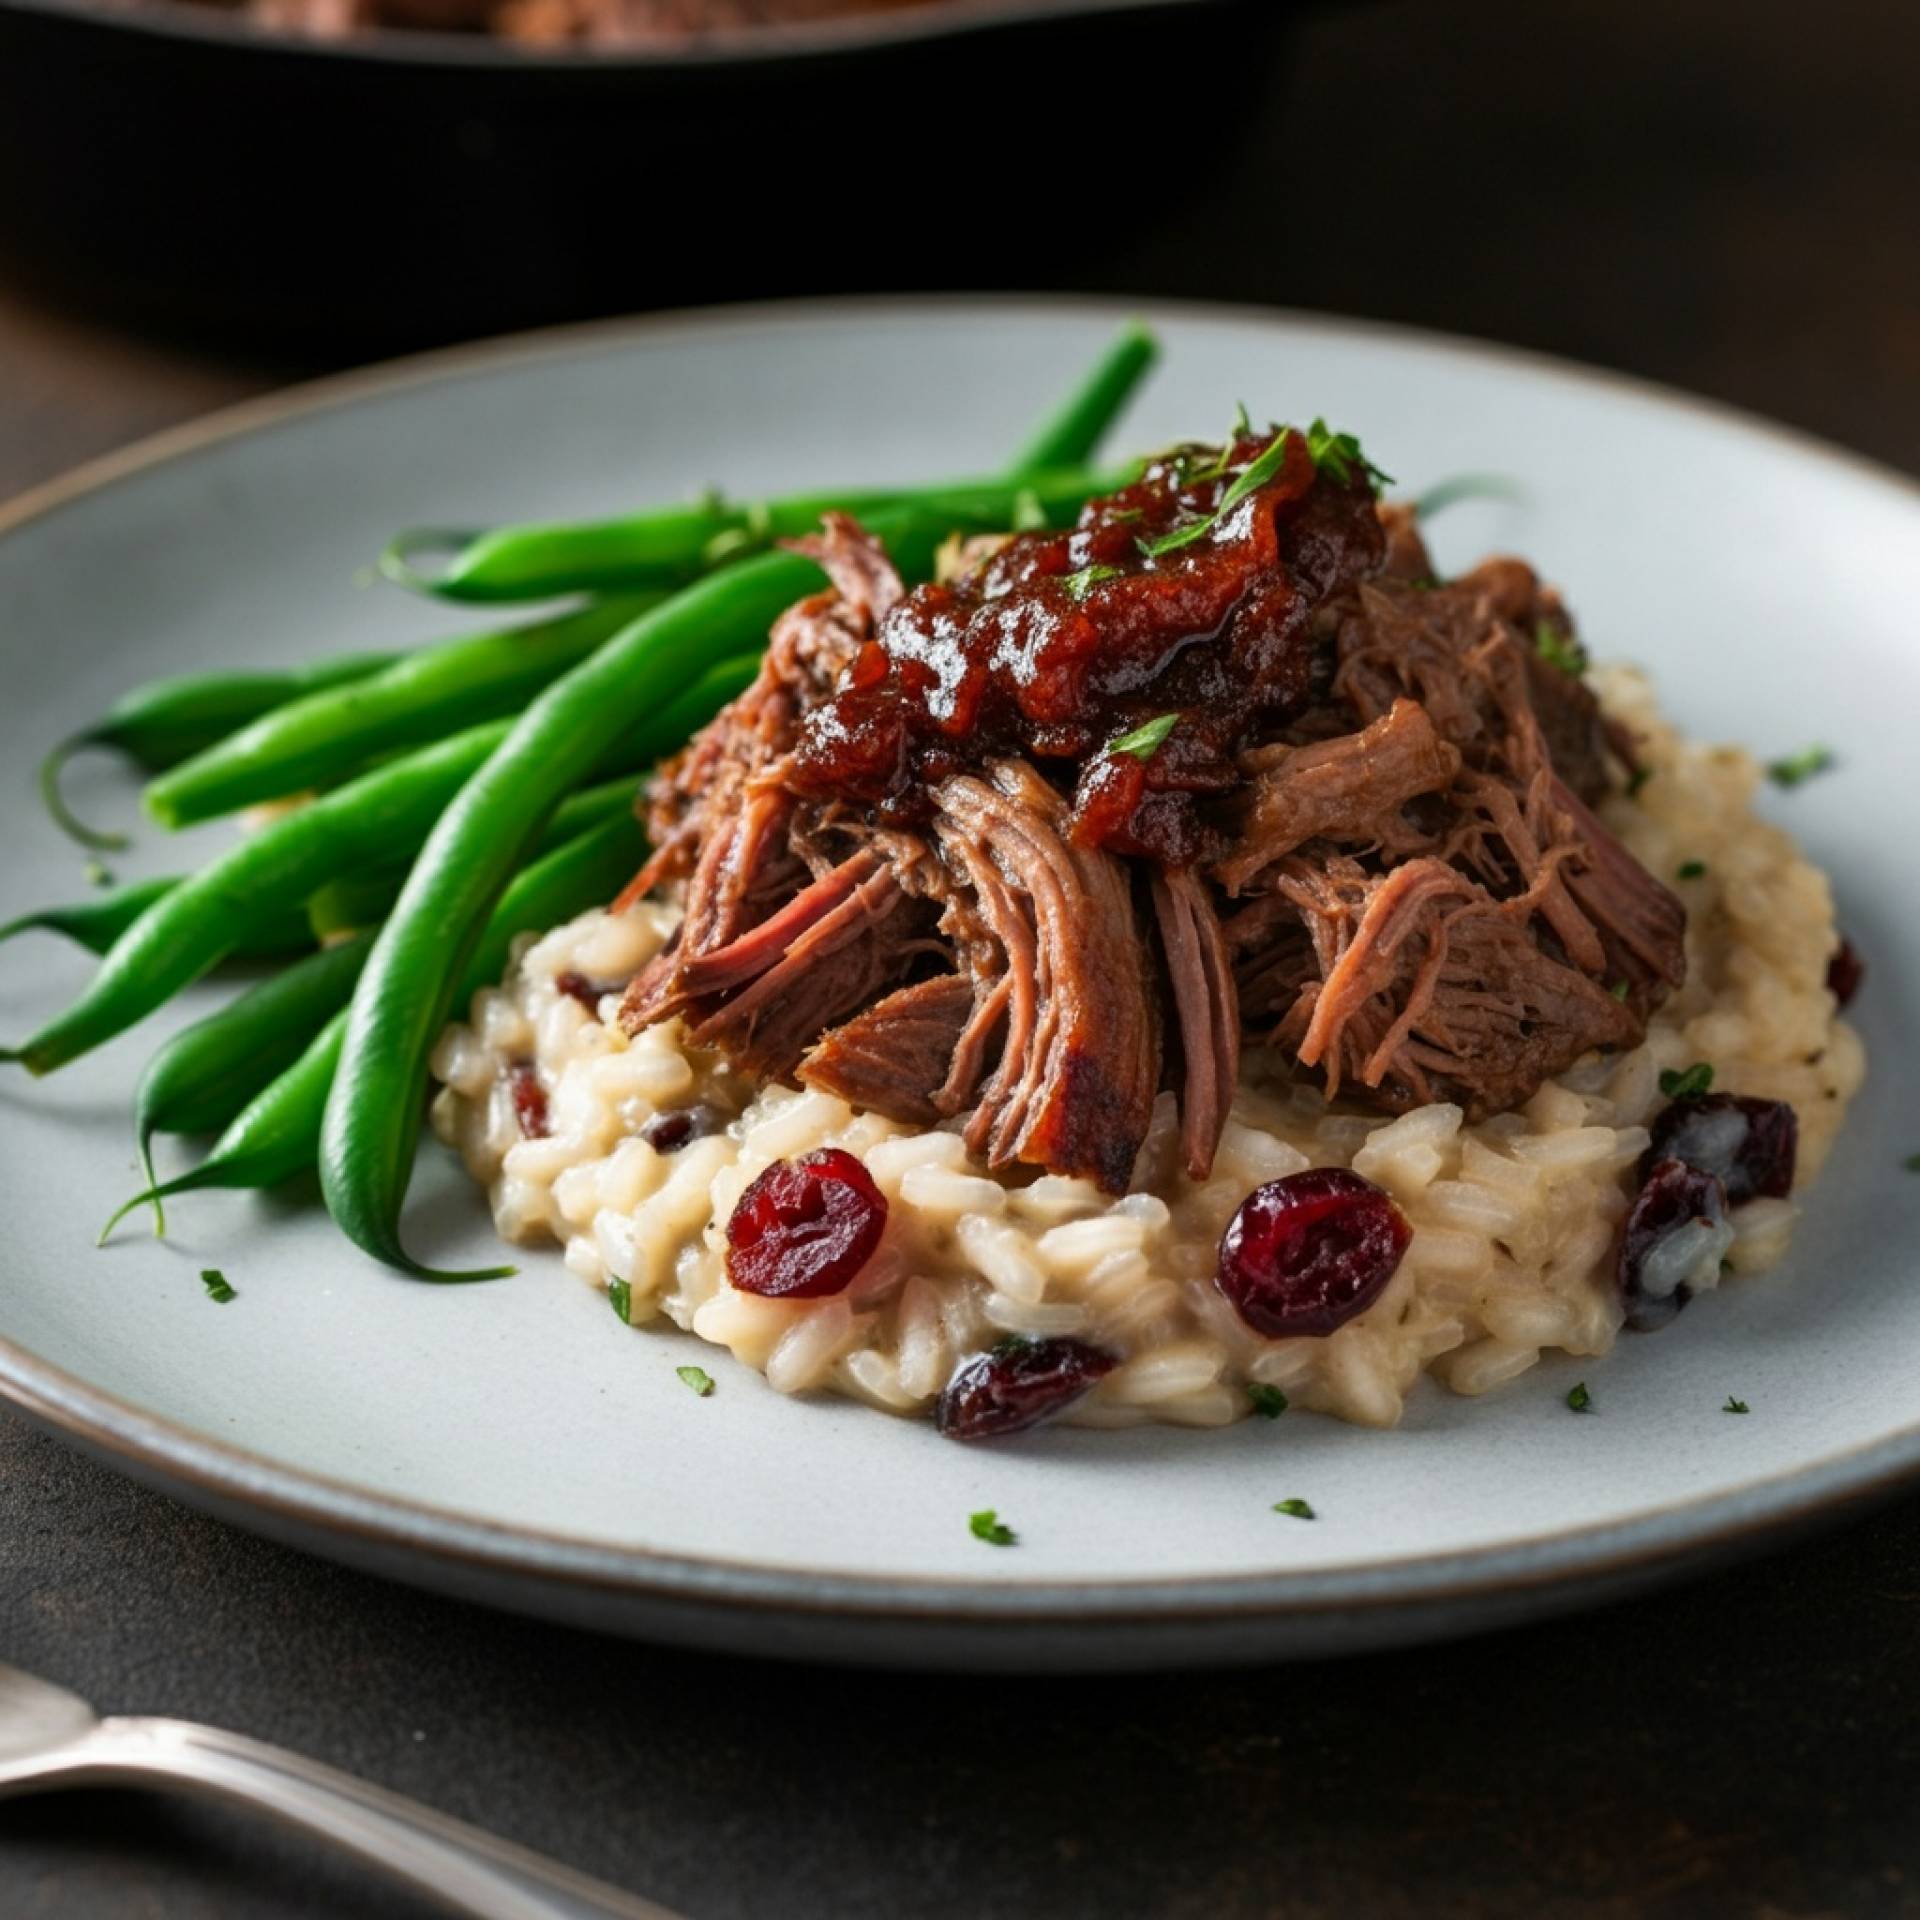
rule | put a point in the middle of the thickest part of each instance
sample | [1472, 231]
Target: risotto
[1515, 1218]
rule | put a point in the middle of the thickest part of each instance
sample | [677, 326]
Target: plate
[515, 1444]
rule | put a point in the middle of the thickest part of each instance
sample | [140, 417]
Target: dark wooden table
[1719, 195]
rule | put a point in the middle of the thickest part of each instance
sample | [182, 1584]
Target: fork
[52, 1738]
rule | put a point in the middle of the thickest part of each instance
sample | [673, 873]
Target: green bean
[440, 689]
[97, 923]
[259, 879]
[1072, 434]
[167, 721]
[206, 1073]
[539, 561]
[383, 813]
[276, 1136]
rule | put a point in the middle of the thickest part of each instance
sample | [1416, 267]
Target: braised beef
[915, 872]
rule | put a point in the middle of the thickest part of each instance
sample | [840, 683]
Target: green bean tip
[147, 1196]
[61, 814]
[397, 556]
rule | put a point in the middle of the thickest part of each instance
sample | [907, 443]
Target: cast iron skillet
[174, 166]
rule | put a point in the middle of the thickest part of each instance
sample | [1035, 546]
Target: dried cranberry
[1677, 1234]
[669, 1132]
[805, 1227]
[576, 986]
[1017, 1386]
[1304, 1254]
[529, 1100]
[1750, 1144]
[1845, 971]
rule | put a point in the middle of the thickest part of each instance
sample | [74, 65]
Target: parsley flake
[1268, 1402]
[1619, 991]
[697, 1378]
[1690, 1084]
[987, 1525]
[1800, 766]
[1295, 1509]
[1689, 869]
[1637, 779]
[1579, 1399]
[1147, 739]
[1080, 584]
[620, 1299]
[1735, 1406]
[215, 1283]
[1912, 1163]
[1559, 650]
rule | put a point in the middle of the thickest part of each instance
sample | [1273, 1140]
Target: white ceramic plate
[516, 1443]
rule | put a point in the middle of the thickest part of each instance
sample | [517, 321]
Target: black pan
[174, 166]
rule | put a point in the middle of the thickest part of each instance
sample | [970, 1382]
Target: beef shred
[1223, 765]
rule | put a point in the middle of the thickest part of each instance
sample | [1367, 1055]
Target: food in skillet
[599, 23]
[1180, 955]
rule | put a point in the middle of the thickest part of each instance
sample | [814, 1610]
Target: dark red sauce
[1066, 642]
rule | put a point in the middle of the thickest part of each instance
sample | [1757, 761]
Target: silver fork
[52, 1738]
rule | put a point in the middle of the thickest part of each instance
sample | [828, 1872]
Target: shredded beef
[1387, 866]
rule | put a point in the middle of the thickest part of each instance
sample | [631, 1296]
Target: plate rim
[201, 1467]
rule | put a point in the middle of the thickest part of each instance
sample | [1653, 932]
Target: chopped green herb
[1339, 454]
[986, 1525]
[1735, 1406]
[1688, 1085]
[1242, 425]
[1637, 779]
[1250, 480]
[1268, 1402]
[1029, 512]
[1579, 1399]
[1126, 515]
[1619, 990]
[1012, 1343]
[1689, 869]
[1559, 650]
[1256, 475]
[96, 875]
[1082, 583]
[1147, 739]
[1912, 1163]
[1183, 535]
[1800, 766]
[1295, 1509]
[620, 1299]
[698, 1378]
[215, 1283]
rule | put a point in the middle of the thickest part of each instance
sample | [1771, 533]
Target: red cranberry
[1750, 1144]
[1016, 1386]
[1845, 971]
[529, 1100]
[1677, 1234]
[1304, 1254]
[669, 1132]
[576, 986]
[805, 1227]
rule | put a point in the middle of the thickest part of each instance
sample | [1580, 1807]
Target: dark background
[1725, 196]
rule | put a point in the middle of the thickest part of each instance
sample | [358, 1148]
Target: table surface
[1714, 197]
